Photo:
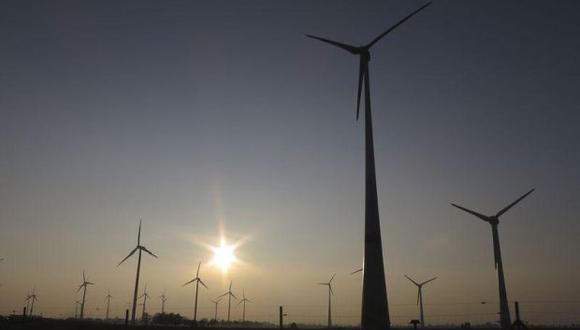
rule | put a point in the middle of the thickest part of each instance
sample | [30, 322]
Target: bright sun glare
[223, 256]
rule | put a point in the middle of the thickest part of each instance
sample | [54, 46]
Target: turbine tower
[145, 296]
[197, 281]
[77, 304]
[420, 296]
[30, 299]
[216, 302]
[493, 220]
[108, 298]
[163, 300]
[139, 248]
[230, 295]
[330, 292]
[244, 300]
[84, 286]
[375, 311]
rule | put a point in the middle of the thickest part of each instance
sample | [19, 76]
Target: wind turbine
[493, 220]
[420, 296]
[31, 298]
[84, 286]
[145, 296]
[375, 311]
[330, 292]
[244, 300]
[163, 300]
[139, 248]
[216, 302]
[108, 298]
[230, 295]
[197, 281]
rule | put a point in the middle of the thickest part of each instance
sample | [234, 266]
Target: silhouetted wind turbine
[84, 286]
[420, 296]
[244, 300]
[139, 248]
[230, 295]
[216, 302]
[31, 298]
[330, 292]
[145, 296]
[108, 298]
[375, 311]
[493, 220]
[163, 300]
[197, 281]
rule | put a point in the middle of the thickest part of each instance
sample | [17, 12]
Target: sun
[223, 256]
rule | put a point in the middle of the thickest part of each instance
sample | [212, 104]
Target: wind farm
[244, 145]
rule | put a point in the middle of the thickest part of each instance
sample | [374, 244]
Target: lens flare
[223, 256]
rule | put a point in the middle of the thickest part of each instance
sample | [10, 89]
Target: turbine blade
[200, 281]
[90, 283]
[241, 301]
[225, 294]
[184, 284]
[139, 232]
[80, 287]
[361, 72]
[233, 295]
[128, 256]
[356, 271]
[433, 279]
[84, 276]
[151, 253]
[505, 209]
[396, 25]
[410, 279]
[479, 215]
[348, 48]
[199, 265]
[331, 278]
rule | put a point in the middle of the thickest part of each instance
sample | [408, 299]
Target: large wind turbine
[145, 296]
[197, 281]
[163, 300]
[216, 302]
[108, 298]
[244, 300]
[493, 220]
[230, 295]
[330, 292]
[84, 286]
[31, 298]
[375, 311]
[420, 296]
[139, 248]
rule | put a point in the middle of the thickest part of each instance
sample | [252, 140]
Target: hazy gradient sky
[198, 116]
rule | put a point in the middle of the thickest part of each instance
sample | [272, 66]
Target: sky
[216, 119]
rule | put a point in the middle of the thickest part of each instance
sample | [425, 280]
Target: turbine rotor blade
[370, 44]
[361, 73]
[200, 281]
[479, 215]
[151, 253]
[505, 209]
[199, 265]
[128, 256]
[184, 284]
[433, 279]
[410, 279]
[348, 48]
[139, 232]
[233, 295]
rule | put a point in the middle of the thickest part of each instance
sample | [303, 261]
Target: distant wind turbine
[375, 311]
[197, 281]
[163, 300]
[420, 296]
[216, 302]
[108, 298]
[330, 292]
[244, 300]
[230, 295]
[31, 298]
[139, 248]
[493, 220]
[84, 286]
[145, 296]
